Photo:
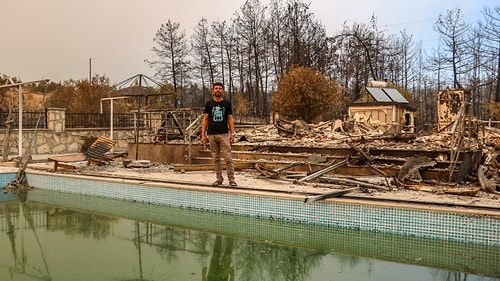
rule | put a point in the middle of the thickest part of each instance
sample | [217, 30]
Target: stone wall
[57, 139]
[69, 141]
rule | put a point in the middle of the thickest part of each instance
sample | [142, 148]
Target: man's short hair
[218, 84]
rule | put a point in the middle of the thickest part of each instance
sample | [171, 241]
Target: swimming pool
[65, 236]
[459, 225]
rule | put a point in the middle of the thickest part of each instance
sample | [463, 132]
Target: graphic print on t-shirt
[217, 113]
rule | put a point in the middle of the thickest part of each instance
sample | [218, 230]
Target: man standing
[218, 127]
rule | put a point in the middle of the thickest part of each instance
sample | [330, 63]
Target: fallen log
[486, 184]
[410, 169]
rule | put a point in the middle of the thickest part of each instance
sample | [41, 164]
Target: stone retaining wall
[57, 139]
[49, 142]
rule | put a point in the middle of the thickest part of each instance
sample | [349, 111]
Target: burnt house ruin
[383, 106]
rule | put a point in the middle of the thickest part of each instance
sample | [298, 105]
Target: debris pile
[478, 172]
[333, 133]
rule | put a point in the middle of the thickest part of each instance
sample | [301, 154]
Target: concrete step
[311, 158]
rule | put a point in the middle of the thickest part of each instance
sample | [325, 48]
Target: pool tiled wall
[481, 229]
[435, 253]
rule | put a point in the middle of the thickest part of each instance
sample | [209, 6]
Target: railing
[31, 120]
[8, 223]
[148, 120]
[251, 120]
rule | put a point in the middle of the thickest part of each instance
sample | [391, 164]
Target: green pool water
[55, 236]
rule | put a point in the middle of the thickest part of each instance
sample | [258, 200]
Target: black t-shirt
[217, 116]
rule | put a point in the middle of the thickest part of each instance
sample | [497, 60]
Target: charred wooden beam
[332, 194]
[322, 171]
[360, 151]
[274, 173]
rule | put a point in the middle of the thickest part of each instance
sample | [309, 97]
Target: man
[218, 128]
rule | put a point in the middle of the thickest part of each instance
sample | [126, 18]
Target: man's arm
[230, 122]
[204, 124]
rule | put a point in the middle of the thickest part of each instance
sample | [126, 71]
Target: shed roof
[387, 95]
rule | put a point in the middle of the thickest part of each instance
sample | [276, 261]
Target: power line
[475, 13]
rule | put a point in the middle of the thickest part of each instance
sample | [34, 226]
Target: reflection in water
[137, 242]
[266, 261]
[21, 265]
[86, 225]
[26, 213]
[57, 243]
[220, 264]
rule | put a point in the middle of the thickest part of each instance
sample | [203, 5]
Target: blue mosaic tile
[381, 219]
[6, 178]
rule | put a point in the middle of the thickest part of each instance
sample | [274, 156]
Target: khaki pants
[220, 147]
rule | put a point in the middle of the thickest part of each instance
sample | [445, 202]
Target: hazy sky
[56, 39]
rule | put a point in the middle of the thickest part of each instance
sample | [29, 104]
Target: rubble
[344, 158]
[361, 135]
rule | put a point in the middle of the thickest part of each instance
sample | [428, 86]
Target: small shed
[384, 106]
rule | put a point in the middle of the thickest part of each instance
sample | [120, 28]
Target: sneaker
[233, 183]
[216, 183]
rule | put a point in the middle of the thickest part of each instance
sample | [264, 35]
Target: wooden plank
[69, 158]
[210, 167]
[66, 158]
[94, 154]
[288, 166]
[99, 147]
[338, 180]
[349, 170]
[62, 165]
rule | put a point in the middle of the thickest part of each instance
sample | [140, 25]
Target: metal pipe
[20, 144]
[21, 100]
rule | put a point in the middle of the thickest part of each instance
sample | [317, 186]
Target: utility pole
[90, 70]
